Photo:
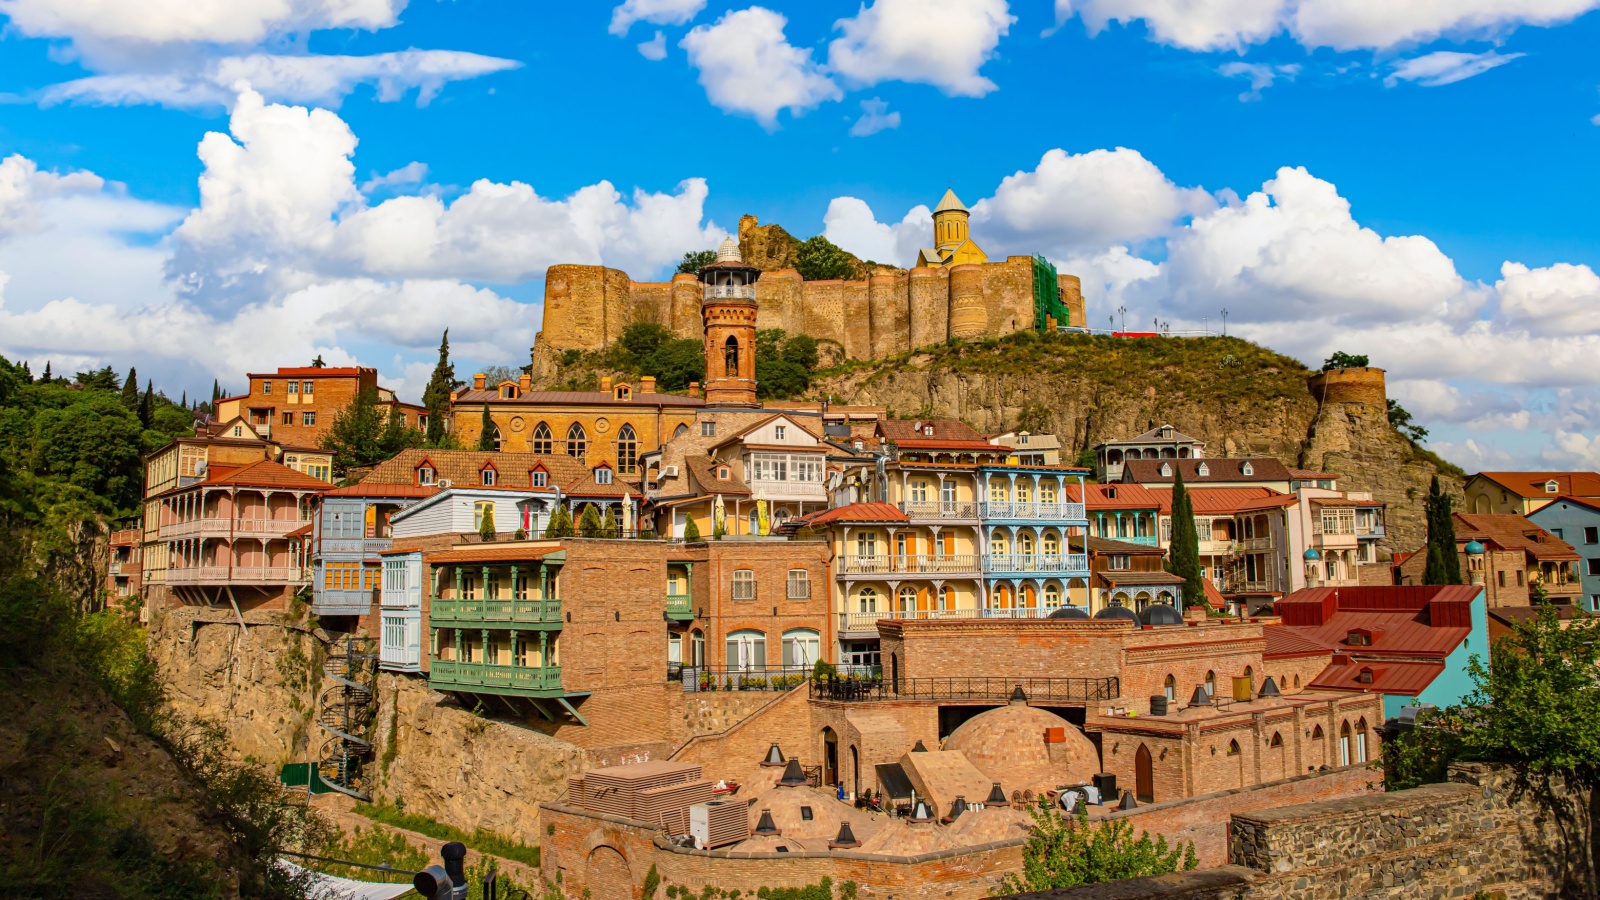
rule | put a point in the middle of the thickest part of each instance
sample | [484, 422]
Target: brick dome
[1010, 745]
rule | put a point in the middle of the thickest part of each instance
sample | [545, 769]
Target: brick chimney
[694, 388]
[525, 382]
[605, 383]
[478, 380]
[647, 384]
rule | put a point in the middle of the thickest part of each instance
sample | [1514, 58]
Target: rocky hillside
[771, 248]
[1241, 399]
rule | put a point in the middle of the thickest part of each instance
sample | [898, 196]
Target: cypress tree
[437, 395]
[130, 390]
[691, 531]
[216, 393]
[185, 401]
[486, 529]
[485, 430]
[1443, 564]
[46, 378]
[147, 405]
[589, 523]
[608, 526]
[1184, 551]
[560, 525]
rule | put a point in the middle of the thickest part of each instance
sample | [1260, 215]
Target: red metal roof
[1424, 621]
[1285, 643]
[1115, 496]
[1212, 501]
[383, 490]
[307, 371]
[859, 512]
[1214, 596]
[489, 553]
[1407, 679]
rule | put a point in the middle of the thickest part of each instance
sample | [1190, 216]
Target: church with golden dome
[952, 244]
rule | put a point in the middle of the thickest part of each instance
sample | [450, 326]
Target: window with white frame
[802, 647]
[744, 584]
[747, 649]
[308, 418]
[866, 544]
[306, 387]
[708, 429]
[602, 475]
[266, 387]
[919, 491]
[778, 431]
[293, 387]
[425, 475]
[488, 476]
[799, 584]
[1118, 562]
[769, 467]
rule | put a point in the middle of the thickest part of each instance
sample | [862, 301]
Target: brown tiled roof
[1107, 545]
[1513, 532]
[587, 486]
[368, 489]
[1531, 484]
[692, 445]
[704, 469]
[1124, 576]
[576, 398]
[944, 430]
[1275, 501]
[266, 473]
[1148, 471]
[461, 467]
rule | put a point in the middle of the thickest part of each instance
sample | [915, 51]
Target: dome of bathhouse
[811, 814]
[1068, 612]
[1118, 612]
[1016, 745]
[990, 824]
[1161, 614]
[729, 251]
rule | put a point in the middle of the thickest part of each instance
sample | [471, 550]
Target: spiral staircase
[345, 712]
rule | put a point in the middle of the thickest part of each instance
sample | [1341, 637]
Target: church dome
[1011, 745]
[729, 251]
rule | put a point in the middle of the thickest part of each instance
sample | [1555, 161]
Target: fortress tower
[728, 308]
[952, 244]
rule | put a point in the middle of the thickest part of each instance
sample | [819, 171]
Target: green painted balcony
[680, 607]
[505, 612]
[483, 678]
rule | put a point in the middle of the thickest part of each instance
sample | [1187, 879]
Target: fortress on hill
[952, 291]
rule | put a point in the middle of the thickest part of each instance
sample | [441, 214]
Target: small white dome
[729, 251]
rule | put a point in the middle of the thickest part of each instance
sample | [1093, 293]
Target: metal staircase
[345, 713]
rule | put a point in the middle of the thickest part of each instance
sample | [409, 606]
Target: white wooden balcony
[223, 527]
[237, 575]
[1054, 563]
[924, 564]
[1033, 510]
[940, 509]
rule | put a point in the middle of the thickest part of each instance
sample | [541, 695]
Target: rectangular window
[1594, 566]
[1591, 535]
[1560, 533]
[708, 429]
[266, 387]
[800, 583]
[293, 387]
[947, 492]
[1501, 577]
[537, 479]
[1522, 578]
[488, 477]
[807, 470]
[919, 491]
[306, 387]
[744, 584]
[308, 418]
[288, 418]
[778, 431]
[1118, 562]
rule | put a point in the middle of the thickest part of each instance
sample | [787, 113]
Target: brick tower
[728, 307]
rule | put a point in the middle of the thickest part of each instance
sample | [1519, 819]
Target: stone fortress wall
[893, 311]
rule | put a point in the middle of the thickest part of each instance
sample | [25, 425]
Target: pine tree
[589, 523]
[147, 405]
[130, 390]
[355, 436]
[46, 378]
[560, 525]
[486, 529]
[691, 531]
[486, 431]
[608, 526]
[437, 396]
[1184, 552]
[216, 393]
[1443, 565]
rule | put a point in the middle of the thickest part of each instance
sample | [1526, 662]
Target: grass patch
[482, 840]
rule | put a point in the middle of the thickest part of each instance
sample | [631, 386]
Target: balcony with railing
[223, 526]
[908, 565]
[499, 611]
[943, 510]
[1067, 564]
[1053, 691]
[680, 607]
[1247, 545]
[487, 678]
[358, 548]
[1333, 534]
[867, 622]
[1033, 510]
[729, 292]
[269, 575]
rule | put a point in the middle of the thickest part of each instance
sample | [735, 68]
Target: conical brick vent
[846, 838]
[1018, 696]
[1127, 801]
[919, 747]
[766, 825]
[997, 796]
[957, 807]
[1201, 697]
[774, 757]
[922, 814]
[1269, 688]
[793, 775]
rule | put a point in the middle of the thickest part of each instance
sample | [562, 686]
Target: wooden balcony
[1033, 510]
[500, 612]
[680, 607]
[942, 510]
[224, 527]
[484, 678]
[269, 575]
[1065, 564]
[921, 564]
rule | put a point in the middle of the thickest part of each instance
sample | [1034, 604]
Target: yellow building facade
[952, 243]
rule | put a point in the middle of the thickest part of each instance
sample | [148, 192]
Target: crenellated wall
[587, 307]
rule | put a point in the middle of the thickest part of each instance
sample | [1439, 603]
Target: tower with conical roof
[952, 244]
[728, 308]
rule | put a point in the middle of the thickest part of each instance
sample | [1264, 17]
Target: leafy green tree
[1401, 420]
[86, 439]
[817, 259]
[103, 379]
[130, 390]
[1343, 360]
[396, 435]
[1063, 853]
[1422, 755]
[1443, 565]
[486, 529]
[695, 260]
[355, 436]
[691, 531]
[589, 524]
[1184, 553]
[1086, 458]
[486, 431]
[781, 372]
[651, 349]
[436, 397]
[560, 524]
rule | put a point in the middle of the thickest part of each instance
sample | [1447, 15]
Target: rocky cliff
[1241, 399]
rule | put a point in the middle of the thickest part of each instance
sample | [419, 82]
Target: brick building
[1520, 493]
[1514, 554]
[297, 405]
[125, 570]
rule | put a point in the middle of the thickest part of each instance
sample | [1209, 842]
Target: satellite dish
[834, 480]
[200, 467]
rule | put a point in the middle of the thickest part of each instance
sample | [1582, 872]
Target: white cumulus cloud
[849, 223]
[1446, 67]
[656, 12]
[654, 49]
[1559, 299]
[1191, 24]
[748, 66]
[875, 117]
[938, 42]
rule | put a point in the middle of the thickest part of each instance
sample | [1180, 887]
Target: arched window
[1277, 740]
[997, 543]
[1051, 544]
[1211, 684]
[747, 649]
[1250, 673]
[801, 647]
[542, 442]
[730, 357]
[1025, 543]
[1233, 748]
[944, 598]
[1316, 733]
[577, 441]
[679, 431]
[627, 450]
[1170, 688]
[697, 648]
[1052, 596]
[908, 600]
[1344, 744]
[497, 438]
[1361, 740]
[867, 600]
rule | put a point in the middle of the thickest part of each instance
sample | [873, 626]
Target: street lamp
[1224, 322]
[1123, 311]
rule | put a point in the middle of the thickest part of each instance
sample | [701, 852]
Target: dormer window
[508, 392]
[602, 475]
[724, 473]
[1166, 470]
[538, 478]
[487, 476]
[927, 430]
[1204, 470]
[1166, 431]
[425, 475]
[623, 392]
[1365, 676]
[1550, 487]
[1111, 493]
[1247, 469]
[1359, 638]
[859, 445]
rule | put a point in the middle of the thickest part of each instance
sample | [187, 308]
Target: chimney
[997, 796]
[846, 838]
[525, 382]
[922, 814]
[1127, 801]
[647, 384]
[478, 380]
[774, 757]
[766, 825]
[1269, 688]
[1018, 697]
[694, 388]
[1201, 697]
[956, 809]
[605, 383]
[793, 775]
[919, 748]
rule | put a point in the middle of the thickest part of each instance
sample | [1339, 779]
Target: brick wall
[736, 752]
[772, 612]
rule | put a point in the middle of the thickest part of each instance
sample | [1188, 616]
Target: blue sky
[203, 187]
